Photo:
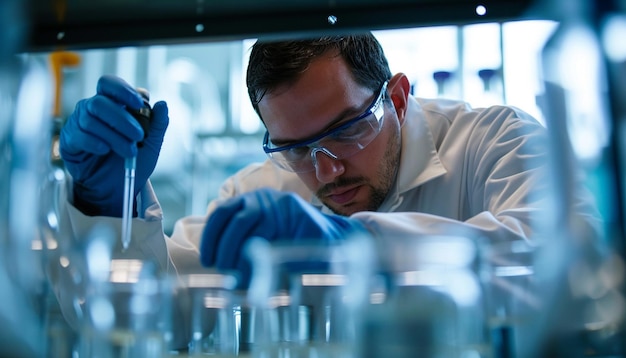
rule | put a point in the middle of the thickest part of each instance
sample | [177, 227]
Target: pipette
[143, 116]
[129, 189]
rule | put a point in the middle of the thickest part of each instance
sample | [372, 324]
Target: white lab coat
[477, 172]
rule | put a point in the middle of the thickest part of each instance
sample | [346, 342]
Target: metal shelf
[105, 23]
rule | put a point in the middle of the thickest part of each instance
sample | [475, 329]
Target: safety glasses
[338, 143]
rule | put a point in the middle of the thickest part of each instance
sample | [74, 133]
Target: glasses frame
[371, 109]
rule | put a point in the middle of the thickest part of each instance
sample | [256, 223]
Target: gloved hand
[268, 214]
[96, 139]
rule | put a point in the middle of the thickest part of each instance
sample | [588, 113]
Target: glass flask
[306, 298]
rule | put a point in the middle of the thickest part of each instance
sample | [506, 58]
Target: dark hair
[273, 64]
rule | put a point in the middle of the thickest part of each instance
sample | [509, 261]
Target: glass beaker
[213, 313]
[307, 296]
[511, 300]
[129, 314]
[426, 300]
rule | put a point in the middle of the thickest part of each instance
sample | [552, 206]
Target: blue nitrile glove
[269, 214]
[97, 137]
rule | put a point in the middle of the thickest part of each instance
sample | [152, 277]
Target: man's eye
[347, 133]
[297, 152]
[354, 130]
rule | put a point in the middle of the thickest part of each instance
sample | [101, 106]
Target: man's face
[324, 97]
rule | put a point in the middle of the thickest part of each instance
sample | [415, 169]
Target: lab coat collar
[419, 160]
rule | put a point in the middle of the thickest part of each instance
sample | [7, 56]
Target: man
[349, 150]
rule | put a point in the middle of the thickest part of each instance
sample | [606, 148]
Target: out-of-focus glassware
[127, 308]
[307, 297]
[428, 300]
[613, 28]
[576, 271]
[214, 313]
[127, 316]
[24, 138]
[510, 294]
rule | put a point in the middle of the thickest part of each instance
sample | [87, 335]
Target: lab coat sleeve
[183, 245]
[514, 184]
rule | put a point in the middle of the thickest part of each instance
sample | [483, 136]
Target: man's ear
[399, 90]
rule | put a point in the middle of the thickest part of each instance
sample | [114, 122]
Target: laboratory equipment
[24, 98]
[488, 75]
[425, 301]
[129, 192]
[583, 297]
[23, 163]
[307, 296]
[507, 275]
[215, 319]
[142, 116]
[442, 78]
[127, 310]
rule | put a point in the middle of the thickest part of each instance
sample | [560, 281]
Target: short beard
[387, 173]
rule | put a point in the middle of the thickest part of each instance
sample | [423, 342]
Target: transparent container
[426, 300]
[307, 298]
[128, 314]
[214, 313]
[512, 302]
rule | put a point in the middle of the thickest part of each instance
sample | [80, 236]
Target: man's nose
[327, 166]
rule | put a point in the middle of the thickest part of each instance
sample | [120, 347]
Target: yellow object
[59, 60]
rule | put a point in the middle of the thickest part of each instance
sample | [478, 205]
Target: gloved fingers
[160, 119]
[312, 224]
[79, 143]
[99, 139]
[111, 123]
[75, 141]
[214, 227]
[306, 222]
[231, 224]
[259, 216]
[245, 224]
[158, 126]
[119, 90]
[106, 111]
[148, 152]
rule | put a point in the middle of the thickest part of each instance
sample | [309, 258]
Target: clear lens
[339, 143]
[342, 144]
